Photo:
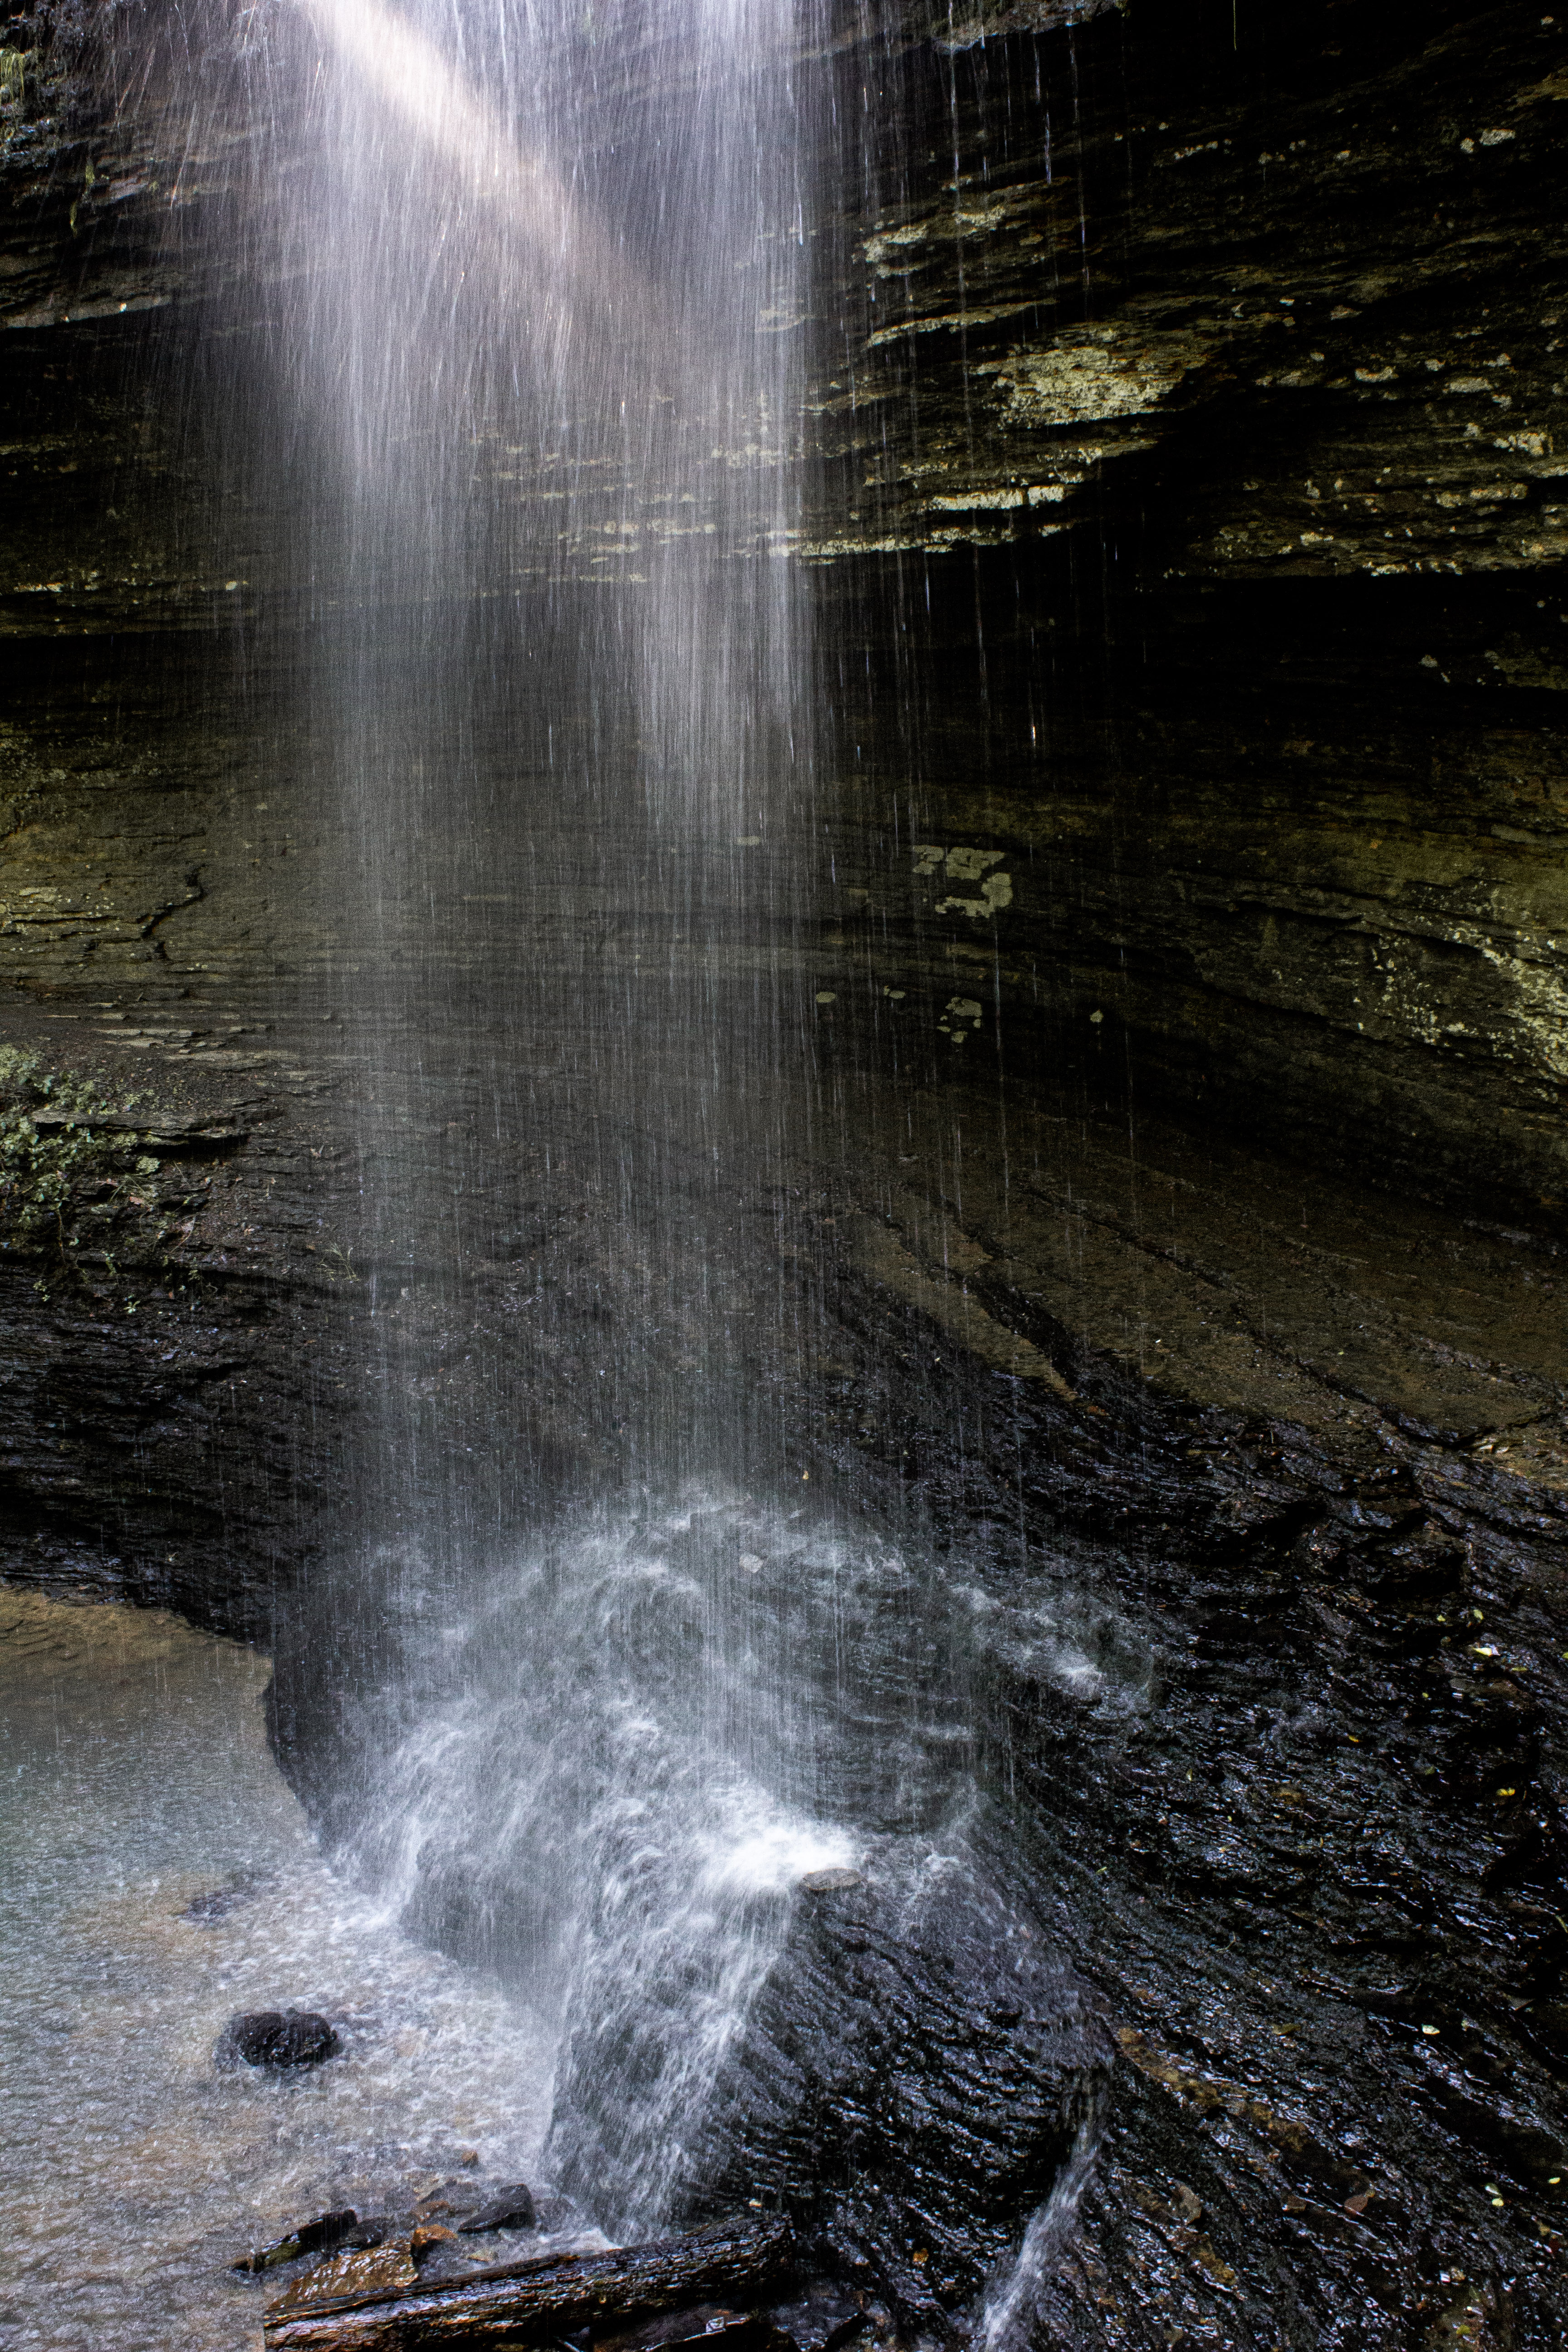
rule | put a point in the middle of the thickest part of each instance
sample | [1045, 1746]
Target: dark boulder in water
[277, 2038]
[509, 2208]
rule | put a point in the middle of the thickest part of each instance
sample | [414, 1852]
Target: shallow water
[138, 1779]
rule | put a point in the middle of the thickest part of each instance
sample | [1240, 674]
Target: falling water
[593, 1685]
[546, 280]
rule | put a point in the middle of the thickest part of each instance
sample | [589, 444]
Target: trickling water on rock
[626, 1780]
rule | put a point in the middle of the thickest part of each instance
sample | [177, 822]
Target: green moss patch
[79, 1186]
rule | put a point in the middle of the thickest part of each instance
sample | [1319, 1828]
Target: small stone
[425, 2240]
[326, 2230]
[831, 1881]
[509, 2209]
[279, 2038]
[375, 2231]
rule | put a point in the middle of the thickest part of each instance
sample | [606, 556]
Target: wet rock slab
[510, 2208]
[913, 2080]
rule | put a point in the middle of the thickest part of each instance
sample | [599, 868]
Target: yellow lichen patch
[13, 64]
[964, 864]
[995, 892]
[1090, 374]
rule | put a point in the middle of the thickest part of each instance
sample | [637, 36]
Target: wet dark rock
[311, 2238]
[821, 2321]
[911, 2080]
[375, 2230]
[509, 2208]
[276, 2038]
[705, 2323]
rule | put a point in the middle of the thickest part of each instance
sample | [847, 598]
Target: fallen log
[549, 2297]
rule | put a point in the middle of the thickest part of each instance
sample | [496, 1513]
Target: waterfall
[545, 287]
[595, 1696]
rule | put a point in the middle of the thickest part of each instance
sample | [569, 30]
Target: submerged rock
[206, 1910]
[277, 2038]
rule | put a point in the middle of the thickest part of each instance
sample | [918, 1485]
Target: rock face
[1189, 563]
[1296, 279]
[1262, 342]
[1208, 386]
[913, 2084]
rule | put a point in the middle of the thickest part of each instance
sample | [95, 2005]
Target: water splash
[605, 1779]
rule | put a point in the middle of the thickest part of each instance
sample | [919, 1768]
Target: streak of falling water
[540, 283]
[1011, 2311]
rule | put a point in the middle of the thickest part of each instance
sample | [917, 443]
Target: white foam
[772, 1855]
